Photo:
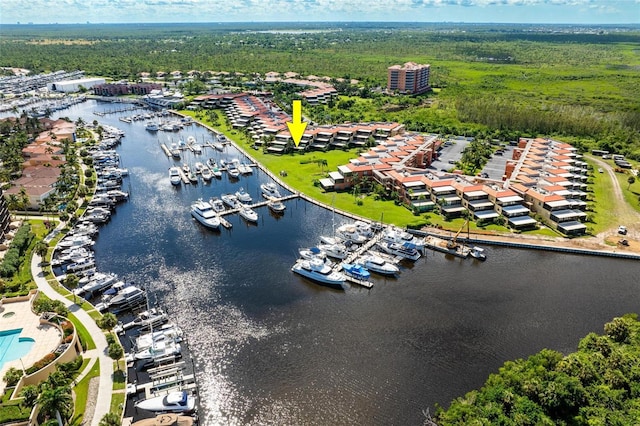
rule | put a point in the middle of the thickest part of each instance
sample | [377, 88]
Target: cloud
[70, 11]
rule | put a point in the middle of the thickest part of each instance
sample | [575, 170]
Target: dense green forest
[555, 81]
[597, 385]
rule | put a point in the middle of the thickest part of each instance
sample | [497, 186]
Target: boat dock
[355, 255]
[256, 205]
[165, 149]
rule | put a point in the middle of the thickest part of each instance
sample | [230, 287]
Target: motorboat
[204, 213]
[159, 350]
[478, 253]
[217, 205]
[356, 270]
[152, 126]
[217, 145]
[248, 213]
[396, 235]
[186, 169]
[197, 148]
[173, 402]
[317, 270]
[174, 176]
[97, 283]
[350, 233]
[127, 297]
[363, 228]
[207, 175]
[198, 166]
[401, 250]
[337, 251]
[175, 153]
[193, 178]
[230, 200]
[269, 190]
[232, 170]
[330, 240]
[312, 253]
[168, 332]
[277, 206]
[76, 241]
[191, 140]
[243, 196]
[145, 319]
[245, 169]
[81, 265]
[378, 265]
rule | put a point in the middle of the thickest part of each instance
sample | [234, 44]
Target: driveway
[452, 153]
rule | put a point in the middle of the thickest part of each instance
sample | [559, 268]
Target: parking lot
[449, 154]
[495, 166]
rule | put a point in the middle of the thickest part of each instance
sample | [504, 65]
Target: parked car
[622, 230]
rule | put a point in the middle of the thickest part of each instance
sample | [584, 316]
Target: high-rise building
[410, 78]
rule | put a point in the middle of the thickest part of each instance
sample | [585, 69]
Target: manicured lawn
[117, 402]
[83, 333]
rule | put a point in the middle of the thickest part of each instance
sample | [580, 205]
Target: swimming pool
[12, 346]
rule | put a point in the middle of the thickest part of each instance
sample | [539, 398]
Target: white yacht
[270, 190]
[378, 265]
[159, 350]
[197, 148]
[174, 176]
[126, 298]
[350, 233]
[152, 126]
[277, 206]
[245, 169]
[207, 175]
[173, 402]
[232, 170]
[396, 235]
[248, 213]
[317, 270]
[203, 212]
[337, 251]
[312, 253]
[217, 145]
[230, 200]
[401, 250]
[243, 196]
[166, 332]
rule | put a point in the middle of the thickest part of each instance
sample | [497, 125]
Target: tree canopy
[599, 384]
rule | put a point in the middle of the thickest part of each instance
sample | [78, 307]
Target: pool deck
[47, 337]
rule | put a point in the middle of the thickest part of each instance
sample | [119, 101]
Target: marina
[243, 310]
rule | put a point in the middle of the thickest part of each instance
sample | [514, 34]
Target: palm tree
[41, 249]
[56, 402]
[110, 419]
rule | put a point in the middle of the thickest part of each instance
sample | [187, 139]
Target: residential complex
[117, 89]
[42, 159]
[410, 78]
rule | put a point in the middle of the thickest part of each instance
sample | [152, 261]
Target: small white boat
[207, 175]
[198, 167]
[173, 402]
[478, 253]
[204, 213]
[330, 240]
[197, 148]
[270, 190]
[186, 169]
[217, 205]
[232, 170]
[396, 235]
[242, 195]
[217, 145]
[317, 270]
[174, 176]
[152, 126]
[337, 251]
[248, 214]
[230, 200]
[245, 169]
[277, 206]
[312, 253]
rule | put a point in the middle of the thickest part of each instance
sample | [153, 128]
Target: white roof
[522, 220]
[486, 214]
[335, 175]
[559, 203]
[510, 199]
[413, 184]
[344, 169]
[478, 193]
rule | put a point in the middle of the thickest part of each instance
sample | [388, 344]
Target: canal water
[272, 348]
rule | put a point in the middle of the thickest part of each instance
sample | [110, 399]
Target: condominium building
[410, 78]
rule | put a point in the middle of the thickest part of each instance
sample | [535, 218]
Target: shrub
[12, 376]
[46, 360]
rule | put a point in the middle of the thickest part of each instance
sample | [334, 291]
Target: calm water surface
[273, 348]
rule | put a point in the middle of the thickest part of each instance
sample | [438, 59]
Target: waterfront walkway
[102, 403]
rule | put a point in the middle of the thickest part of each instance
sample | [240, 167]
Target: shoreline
[564, 245]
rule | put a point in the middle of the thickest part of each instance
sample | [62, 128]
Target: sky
[144, 11]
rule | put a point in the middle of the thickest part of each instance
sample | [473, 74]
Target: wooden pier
[165, 149]
[259, 204]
